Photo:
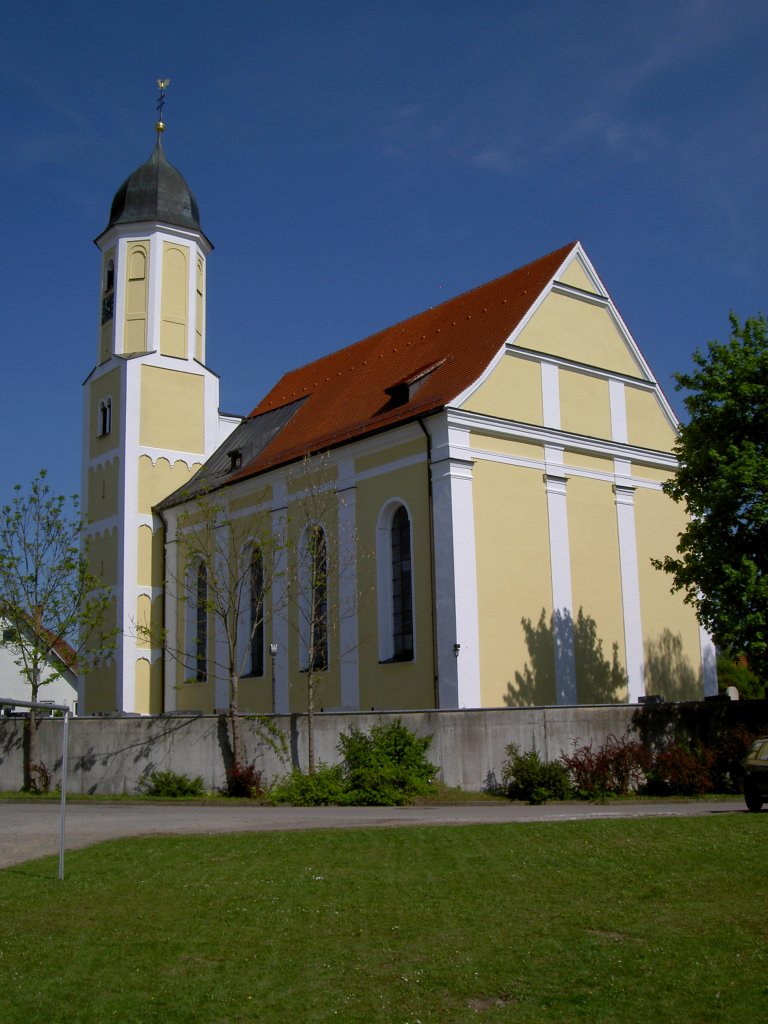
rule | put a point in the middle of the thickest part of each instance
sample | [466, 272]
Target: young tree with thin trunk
[319, 561]
[221, 582]
[54, 607]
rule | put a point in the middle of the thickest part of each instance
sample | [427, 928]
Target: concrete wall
[109, 755]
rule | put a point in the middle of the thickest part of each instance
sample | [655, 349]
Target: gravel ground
[31, 829]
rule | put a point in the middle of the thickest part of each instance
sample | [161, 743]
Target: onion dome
[156, 191]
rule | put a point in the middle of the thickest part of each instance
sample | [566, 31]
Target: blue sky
[356, 162]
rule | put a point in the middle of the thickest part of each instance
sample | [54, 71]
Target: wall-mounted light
[456, 649]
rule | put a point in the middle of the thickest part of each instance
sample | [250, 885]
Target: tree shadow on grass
[559, 642]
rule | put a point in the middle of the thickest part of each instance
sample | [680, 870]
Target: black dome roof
[155, 191]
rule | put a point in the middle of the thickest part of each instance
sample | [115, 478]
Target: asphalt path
[31, 829]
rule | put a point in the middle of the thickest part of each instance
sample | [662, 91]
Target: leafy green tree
[722, 553]
[54, 608]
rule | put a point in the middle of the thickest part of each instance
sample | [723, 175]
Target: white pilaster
[562, 591]
[456, 612]
[348, 595]
[630, 586]
[708, 663]
[280, 609]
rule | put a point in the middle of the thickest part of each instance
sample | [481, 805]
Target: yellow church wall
[580, 331]
[390, 454]
[584, 404]
[596, 591]
[256, 496]
[650, 473]
[106, 387]
[102, 556]
[158, 480]
[173, 312]
[149, 687]
[101, 682]
[593, 463]
[505, 446]
[576, 277]
[149, 620]
[171, 410]
[671, 636]
[199, 311]
[512, 391]
[135, 331]
[149, 561]
[647, 426]
[406, 684]
[513, 582]
[103, 490]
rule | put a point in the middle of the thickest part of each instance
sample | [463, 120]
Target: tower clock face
[107, 307]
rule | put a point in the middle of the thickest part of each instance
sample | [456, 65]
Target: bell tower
[150, 416]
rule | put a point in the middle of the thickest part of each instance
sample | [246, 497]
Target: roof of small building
[402, 373]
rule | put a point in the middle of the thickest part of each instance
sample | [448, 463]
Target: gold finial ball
[159, 127]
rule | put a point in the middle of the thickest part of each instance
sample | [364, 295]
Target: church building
[477, 492]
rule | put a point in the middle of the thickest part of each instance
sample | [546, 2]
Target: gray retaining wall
[110, 755]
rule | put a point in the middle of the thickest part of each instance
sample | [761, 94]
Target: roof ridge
[413, 316]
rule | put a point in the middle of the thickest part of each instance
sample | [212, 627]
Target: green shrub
[385, 767]
[324, 786]
[527, 777]
[170, 784]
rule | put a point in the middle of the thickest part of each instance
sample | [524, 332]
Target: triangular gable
[574, 321]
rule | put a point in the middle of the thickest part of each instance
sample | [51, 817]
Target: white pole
[64, 748]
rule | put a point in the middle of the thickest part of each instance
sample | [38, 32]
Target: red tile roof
[438, 353]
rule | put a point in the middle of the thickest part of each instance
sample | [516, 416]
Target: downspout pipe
[436, 680]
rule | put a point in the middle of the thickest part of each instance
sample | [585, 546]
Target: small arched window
[201, 623]
[317, 603]
[402, 588]
[105, 417]
[108, 292]
[257, 612]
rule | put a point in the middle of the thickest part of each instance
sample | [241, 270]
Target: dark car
[755, 766]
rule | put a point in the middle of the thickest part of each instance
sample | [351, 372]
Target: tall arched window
[317, 600]
[257, 612]
[394, 582]
[402, 589]
[201, 623]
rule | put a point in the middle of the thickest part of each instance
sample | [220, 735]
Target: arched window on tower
[257, 612]
[105, 417]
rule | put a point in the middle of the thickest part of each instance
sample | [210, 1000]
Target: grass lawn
[653, 920]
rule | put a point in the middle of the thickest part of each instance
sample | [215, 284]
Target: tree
[222, 578]
[55, 608]
[722, 553]
[321, 593]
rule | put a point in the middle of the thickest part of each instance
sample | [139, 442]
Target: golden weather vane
[162, 85]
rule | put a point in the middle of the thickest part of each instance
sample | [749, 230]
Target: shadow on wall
[564, 641]
[667, 670]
